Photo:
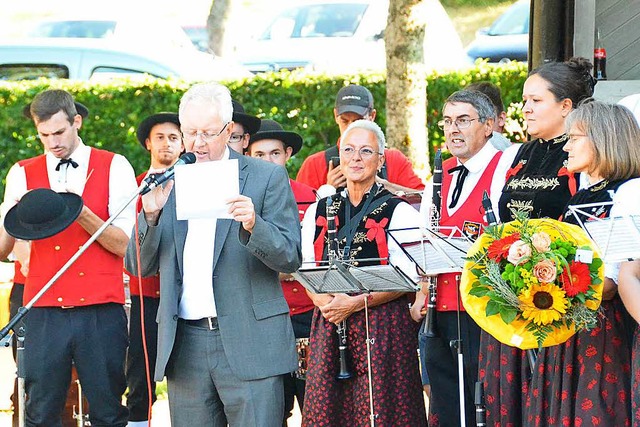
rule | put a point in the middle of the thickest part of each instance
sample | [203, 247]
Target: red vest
[150, 286]
[96, 276]
[295, 294]
[470, 216]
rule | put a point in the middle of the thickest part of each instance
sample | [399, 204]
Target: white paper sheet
[202, 188]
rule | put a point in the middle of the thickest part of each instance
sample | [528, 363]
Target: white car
[88, 59]
[344, 36]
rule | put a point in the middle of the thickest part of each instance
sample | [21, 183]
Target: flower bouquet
[533, 283]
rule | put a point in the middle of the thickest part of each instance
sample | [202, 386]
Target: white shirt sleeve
[626, 201]
[308, 233]
[407, 221]
[14, 190]
[122, 187]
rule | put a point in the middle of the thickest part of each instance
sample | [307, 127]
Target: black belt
[210, 323]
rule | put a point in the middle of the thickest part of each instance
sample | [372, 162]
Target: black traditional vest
[538, 182]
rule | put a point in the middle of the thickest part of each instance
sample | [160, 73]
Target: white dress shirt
[122, 184]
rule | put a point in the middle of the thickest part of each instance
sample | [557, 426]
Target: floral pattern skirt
[635, 382]
[397, 389]
[587, 380]
[505, 373]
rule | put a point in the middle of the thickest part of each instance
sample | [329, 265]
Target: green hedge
[300, 102]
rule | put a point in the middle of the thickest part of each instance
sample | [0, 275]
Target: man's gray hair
[478, 100]
[212, 93]
[371, 127]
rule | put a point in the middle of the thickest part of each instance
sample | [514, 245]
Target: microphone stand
[22, 311]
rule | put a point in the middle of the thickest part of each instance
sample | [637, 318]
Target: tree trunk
[406, 81]
[216, 24]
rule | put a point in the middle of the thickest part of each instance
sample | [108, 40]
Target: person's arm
[122, 186]
[629, 287]
[6, 243]
[112, 238]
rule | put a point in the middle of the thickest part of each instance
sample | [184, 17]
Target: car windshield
[322, 20]
[514, 21]
[82, 29]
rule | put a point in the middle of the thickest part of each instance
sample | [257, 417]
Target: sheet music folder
[439, 252]
[616, 237]
[345, 277]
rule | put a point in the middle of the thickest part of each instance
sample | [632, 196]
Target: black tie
[462, 174]
[65, 162]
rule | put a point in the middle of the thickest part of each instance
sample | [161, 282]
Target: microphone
[155, 179]
[488, 210]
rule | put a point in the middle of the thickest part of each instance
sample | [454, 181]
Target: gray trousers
[203, 391]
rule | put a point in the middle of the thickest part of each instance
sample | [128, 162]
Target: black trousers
[294, 387]
[135, 370]
[94, 339]
[441, 361]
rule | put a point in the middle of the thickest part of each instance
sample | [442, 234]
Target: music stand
[437, 253]
[337, 276]
[616, 237]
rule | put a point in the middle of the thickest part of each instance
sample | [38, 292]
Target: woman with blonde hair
[586, 379]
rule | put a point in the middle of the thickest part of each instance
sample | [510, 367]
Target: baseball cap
[354, 98]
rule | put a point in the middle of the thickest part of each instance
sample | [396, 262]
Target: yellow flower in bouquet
[533, 282]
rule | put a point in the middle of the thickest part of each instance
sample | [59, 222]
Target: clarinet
[481, 410]
[333, 255]
[430, 323]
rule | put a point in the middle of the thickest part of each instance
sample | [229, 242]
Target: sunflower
[543, 303]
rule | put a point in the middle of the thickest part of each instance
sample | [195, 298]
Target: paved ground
[7, 374]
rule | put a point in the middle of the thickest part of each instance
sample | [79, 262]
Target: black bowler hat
[144, 128]
[250, 123]
[270, 129]
[80, 108]
[42, 213]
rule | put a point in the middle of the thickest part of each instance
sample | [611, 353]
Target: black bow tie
[66, 162]
[462, 174]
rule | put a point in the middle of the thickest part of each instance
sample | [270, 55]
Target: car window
[33, 71]
[81, 29]
[107, 73]
[514, 21]
[323, 20]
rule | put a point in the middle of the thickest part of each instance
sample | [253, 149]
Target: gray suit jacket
[252, 313]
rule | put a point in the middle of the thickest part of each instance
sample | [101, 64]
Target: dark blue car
[506, 39]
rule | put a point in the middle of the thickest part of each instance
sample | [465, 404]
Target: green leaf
[508, 314]
[492, 308]
[479, 291]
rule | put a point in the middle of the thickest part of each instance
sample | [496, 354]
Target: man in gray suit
[224, 335]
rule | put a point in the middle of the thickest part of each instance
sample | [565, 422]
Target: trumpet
[333, 254]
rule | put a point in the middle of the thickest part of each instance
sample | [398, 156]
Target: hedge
[300, 102]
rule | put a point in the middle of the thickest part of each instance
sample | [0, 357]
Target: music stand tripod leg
[372, 416]
[19, 336]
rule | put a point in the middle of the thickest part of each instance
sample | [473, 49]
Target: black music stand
[437, 253]
[336, 276]
[616, 237]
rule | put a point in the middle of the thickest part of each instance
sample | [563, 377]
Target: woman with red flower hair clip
[586, 379]
[536, 181]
